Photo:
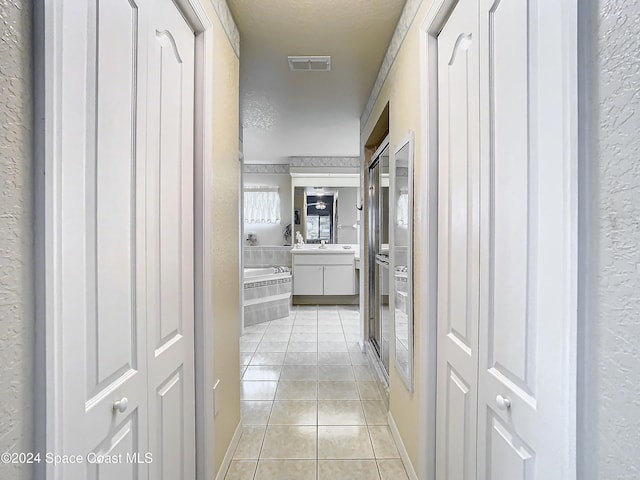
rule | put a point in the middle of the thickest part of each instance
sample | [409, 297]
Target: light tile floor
[310, 406]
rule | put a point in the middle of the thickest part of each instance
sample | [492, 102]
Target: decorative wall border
[284, 169]
[267, 283]
[404, 23]
[267, 168]
[228, 24]
[325, 162]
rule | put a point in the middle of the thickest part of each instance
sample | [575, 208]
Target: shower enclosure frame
[376, 331]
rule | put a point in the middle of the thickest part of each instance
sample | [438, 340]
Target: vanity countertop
[330, 248]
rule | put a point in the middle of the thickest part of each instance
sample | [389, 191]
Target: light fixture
[318, 205]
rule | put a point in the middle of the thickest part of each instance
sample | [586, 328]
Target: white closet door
[122, 243]
[458, 243]
[98, 243]
[170, 243]
[525, 340]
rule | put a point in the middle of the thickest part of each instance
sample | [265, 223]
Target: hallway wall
[401, 90]
[609, 383]
[226, 225]
[16, 236]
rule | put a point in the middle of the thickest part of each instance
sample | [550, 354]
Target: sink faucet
[323, 244]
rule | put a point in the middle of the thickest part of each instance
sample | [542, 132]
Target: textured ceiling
[286, 113]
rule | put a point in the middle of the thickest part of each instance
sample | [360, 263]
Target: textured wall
[610, 413]
[16, 234]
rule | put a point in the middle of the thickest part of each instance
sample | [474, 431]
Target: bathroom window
[320, 209]
[261, 205]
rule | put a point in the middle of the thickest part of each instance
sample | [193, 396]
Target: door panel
[524, 345]
[170, 243]
[171, 425]
[458, 243]
[101, 310]
[510, 459]
[509, 343]
[512, 191]
[122, 262]
[117, 447]
[170, 78]
[456, 74]
[111, 194]
[506, 243]
[459, 412]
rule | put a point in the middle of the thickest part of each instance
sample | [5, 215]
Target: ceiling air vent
[309, 63]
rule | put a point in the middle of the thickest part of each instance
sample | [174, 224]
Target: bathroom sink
[329, 247]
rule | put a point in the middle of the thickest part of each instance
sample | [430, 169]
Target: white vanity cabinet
[308, 280]
[325, 273]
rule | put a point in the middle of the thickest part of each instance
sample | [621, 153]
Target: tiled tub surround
[265, 256]
[310, 406]
[267, 294]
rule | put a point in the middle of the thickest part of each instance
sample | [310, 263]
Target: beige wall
[226, 282]
[16, 237]
[402, 90]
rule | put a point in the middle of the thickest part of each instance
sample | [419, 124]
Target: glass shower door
[379, 315]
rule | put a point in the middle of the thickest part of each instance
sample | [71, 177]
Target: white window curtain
[261, 204]
[402, 210]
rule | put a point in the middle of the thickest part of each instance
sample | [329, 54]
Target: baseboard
[226, 461]
[404, 456]
[381, 379]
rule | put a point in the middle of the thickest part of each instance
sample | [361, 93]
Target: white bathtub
[263, 273]
[267, 294]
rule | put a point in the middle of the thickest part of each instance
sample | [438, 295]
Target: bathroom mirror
[326, 213]
[325, 209]
[402, 258]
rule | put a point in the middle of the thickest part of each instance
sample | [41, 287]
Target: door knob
[121, 405]
[503, 402]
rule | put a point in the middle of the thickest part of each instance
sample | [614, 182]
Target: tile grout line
[360, 400]
[255, 472]
[317, 394]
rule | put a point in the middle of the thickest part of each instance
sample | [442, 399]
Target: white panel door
[524, 317]
[170, 269]
[458, 243]
[122, 233]
[99, 235]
